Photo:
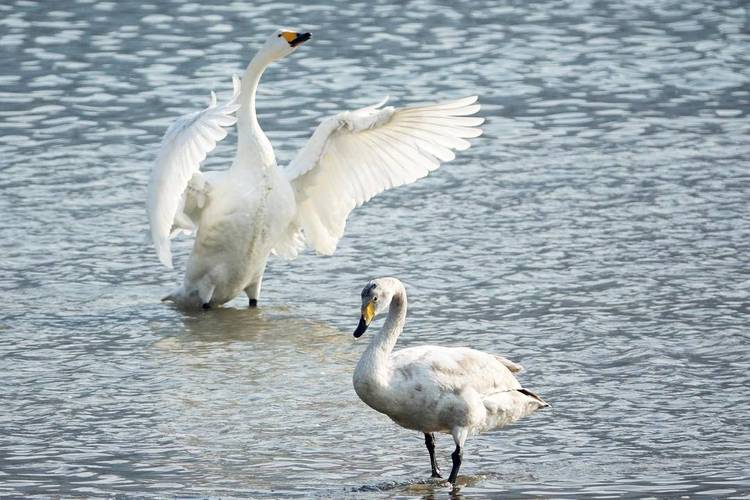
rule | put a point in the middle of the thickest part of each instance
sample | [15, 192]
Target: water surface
[597, 233]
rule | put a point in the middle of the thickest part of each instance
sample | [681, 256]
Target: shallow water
[597, 233]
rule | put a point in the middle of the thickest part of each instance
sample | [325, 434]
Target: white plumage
[458, 391]
[254, 209]
[184, 147]
[355, 155]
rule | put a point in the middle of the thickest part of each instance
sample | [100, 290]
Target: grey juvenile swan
[454, 390]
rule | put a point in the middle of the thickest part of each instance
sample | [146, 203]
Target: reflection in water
[228, 358]
[597, 233]
[265, 324]
[427, 489]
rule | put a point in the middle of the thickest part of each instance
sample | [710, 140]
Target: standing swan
[458, 391]
[255, 209]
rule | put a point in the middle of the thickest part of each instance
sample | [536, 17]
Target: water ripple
[598, 233]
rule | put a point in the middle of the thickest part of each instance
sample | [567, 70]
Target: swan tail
[510, 365]
[542, 403]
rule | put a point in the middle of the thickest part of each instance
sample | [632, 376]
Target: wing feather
[453, 121]
[436, 150]
[452, 104]
[184, 146]
[455, 368]
[355, 155]
[434, 136]
[463, 111]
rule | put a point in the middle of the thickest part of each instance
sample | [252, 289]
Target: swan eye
[279, 35]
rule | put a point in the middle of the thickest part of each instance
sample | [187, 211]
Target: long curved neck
[254, 150]
[374, 361]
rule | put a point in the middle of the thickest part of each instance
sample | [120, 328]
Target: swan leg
[456, 456]
[459, 436]
[429, 441]
[206, 292]
[253, 291]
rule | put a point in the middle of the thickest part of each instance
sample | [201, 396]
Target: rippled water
[598, 233]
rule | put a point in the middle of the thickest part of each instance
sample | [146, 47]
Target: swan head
[376, 299]
[283, 42]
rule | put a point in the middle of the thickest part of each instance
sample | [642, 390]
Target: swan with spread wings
[254, 209]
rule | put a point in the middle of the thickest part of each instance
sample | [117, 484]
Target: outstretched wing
[355, 155]
[184, 146]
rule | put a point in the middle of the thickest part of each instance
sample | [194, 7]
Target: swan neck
[394, 323]
[375, 360]
[250, 81]
[253, 147]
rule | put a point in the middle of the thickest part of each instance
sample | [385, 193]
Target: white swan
[458, 391]
[254, 209]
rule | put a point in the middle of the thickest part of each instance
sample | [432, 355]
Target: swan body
[458, 391]
[255, 209]
[245, 218]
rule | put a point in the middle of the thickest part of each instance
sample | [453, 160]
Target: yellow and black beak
[368, 312]
[295, 39]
